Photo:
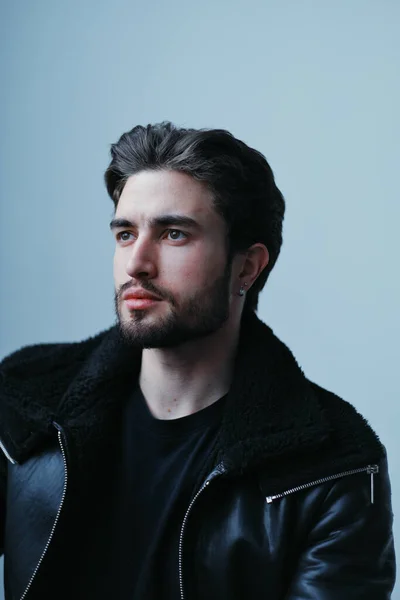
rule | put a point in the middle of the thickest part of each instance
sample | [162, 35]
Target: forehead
[150, 193]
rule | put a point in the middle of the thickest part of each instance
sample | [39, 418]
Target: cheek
[196, 268]
[116, 266]
[119, 268]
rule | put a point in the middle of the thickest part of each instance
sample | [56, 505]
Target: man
[183, 453]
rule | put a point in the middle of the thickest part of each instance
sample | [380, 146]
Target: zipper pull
[372, 470]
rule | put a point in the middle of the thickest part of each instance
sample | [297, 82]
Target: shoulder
[37, 359]
[351, 438]
[38, 375]
[342, 414]
[34, 353]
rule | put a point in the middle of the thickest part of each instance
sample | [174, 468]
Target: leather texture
[34, 494]
[327, 543]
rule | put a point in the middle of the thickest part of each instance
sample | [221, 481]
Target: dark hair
[239, 177]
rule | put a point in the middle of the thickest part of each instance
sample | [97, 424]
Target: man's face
[172, 280]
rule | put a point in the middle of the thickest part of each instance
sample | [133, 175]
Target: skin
[180, 260]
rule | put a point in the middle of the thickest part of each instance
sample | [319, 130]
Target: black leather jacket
[294, 504]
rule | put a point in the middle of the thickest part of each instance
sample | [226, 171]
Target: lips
[138, 295]
[139, 299]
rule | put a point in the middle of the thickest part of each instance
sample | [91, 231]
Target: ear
[253, 263]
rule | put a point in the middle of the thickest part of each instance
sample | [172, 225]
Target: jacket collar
[272, 411]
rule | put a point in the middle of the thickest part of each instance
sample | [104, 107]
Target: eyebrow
[161, 221]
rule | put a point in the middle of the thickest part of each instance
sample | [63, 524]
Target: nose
[142, 260]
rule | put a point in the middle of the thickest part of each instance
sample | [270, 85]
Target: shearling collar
[273, 412]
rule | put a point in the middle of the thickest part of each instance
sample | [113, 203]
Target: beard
[200, 315]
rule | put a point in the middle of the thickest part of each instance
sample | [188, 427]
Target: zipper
[63, 452]
[216, 473]
[7, 454]
[370, 470]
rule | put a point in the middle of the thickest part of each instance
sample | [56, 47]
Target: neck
[180, 381]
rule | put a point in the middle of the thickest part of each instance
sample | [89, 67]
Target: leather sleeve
[349, 554]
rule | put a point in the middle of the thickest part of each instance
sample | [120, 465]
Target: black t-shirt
[158, 466]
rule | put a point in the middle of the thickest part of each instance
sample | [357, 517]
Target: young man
[183, 453]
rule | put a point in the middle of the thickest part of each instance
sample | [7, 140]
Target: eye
[176, 235]
[124, 236]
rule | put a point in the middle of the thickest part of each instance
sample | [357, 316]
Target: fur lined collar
[273, 413]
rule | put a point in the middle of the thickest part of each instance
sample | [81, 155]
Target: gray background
[313, 85]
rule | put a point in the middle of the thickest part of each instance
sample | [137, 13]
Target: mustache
[148, 286]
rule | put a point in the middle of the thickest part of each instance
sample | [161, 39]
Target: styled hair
[240, 180]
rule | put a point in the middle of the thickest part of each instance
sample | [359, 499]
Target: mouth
[139, 300]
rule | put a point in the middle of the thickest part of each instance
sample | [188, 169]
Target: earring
[242, 290]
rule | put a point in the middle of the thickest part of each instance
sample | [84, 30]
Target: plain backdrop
[314, 85]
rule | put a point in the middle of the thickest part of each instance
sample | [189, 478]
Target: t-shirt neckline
[206, 417]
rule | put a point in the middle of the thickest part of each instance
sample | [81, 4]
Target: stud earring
[242, 291]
